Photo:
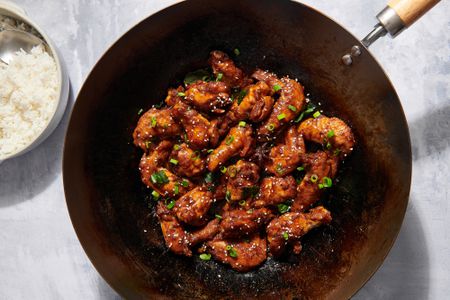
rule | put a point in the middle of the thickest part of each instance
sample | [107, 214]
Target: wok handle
[397, 16]
[409, 11]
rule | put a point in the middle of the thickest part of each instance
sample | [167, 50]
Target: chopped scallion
[279, 169]
[300, 169]
[237, 52]
[155, 195]
[285, 236]
[314, 178]
[210, 151]
[147, 144]
[184, 183]
[209, 177]
[293, 108]
[176, 190]
[154, 122]
[327, 182]
[159, 178]
[283, 208]
[232, 252]
[223, 169]
[205, 256]
[140, 112]
[228, 196]
[171, 204]
[276, 87]
[281, 117]
[218, 217]
[242, 202]
[229, 140]
[270, 127]
[242, 124]
[219, 77]
[176, 147]
[173, 161]
[181, 94]
[330, 134]
[316, 114]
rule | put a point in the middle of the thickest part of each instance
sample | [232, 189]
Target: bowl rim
[16, 12]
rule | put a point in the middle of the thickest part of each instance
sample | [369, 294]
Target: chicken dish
[235, 164]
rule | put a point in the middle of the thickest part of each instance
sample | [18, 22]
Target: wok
[110, 208]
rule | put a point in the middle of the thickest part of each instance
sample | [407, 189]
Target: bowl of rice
[34, 88]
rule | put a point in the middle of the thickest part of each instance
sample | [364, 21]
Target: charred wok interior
[229, 166]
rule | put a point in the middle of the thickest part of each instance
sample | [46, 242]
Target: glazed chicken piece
[256, 105]
[318, 165]
[200, 132]
[239, 141]
[323, 130]
[155, 123]
[240, 222]
[285, 157]
[186, 162]
[290, 227]
[192, 208]
[231, 75]
[269, 78]
[205, 234]
[275, 190]
[160, 179]
[175, 236]
[286, 109]
[209, 97]
[242, 176]
[242, 255]
[173, 96]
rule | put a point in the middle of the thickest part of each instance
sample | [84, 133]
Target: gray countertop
[41, 257]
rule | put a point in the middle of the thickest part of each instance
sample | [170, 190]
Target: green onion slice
[283, 208]
[327, 182]
[330, 134]
[316, 114]
[293, 108]
[223, 169]
[314, 178]
[285, 236]
[237, 52]
[155, 195]
[242, 124]
[229, 140]
[281, 117]
[173, 161]
[154, 122]
[276, 87]
[171, 204]
[205, 256]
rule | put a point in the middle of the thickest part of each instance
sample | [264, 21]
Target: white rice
[28, 98]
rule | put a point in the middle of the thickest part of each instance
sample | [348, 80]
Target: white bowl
[12, 10]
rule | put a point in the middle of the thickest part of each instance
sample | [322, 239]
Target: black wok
[109, 206]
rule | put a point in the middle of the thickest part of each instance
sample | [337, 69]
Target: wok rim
[91, 250]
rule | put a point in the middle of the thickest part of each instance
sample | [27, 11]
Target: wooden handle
[410, 11]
